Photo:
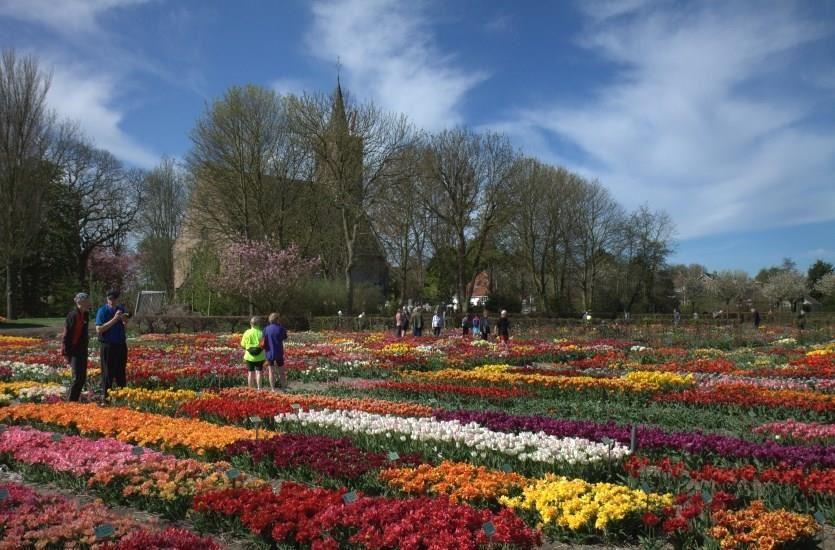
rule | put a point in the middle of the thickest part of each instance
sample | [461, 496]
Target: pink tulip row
[806, 431]
[72, 454]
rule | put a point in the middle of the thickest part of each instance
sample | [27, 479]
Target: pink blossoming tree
[261, 273]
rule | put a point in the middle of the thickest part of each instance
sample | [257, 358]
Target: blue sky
[721, 113]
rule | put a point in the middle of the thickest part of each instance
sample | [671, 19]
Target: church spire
[339, 119]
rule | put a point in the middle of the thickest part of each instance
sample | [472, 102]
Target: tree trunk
[10, 313]
[349, 286]
[463, 298]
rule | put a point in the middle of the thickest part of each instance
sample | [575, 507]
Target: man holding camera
[110, 327]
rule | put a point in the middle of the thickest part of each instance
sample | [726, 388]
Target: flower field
[424, 443]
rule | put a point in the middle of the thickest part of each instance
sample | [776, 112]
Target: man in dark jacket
[74, 344]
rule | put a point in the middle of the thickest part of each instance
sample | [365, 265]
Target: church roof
[339, 119]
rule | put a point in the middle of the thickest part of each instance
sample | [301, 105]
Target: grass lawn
[33, 322]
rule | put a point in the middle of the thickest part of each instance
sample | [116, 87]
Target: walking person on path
[254, 357]
[466, 324]
[274, 336]
[74, 343]
[111, 324]
[485, 326]
[756, 317]
[417, 321]
[503, 328]
[398, 323]
[437, 323]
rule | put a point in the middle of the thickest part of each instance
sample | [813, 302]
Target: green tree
[816, 271]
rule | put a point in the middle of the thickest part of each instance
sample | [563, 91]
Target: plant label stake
[232, 473]
[393, 456]
[4, 493]
[56, 437]
[103, 531]
[633, 439]
[489, 529]
[820, 518]
[506, 468]
[348, 498]
[137, 451]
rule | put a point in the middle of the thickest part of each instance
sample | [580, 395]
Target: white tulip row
[32, 371]
[537, 447]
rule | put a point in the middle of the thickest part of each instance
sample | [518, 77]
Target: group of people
[111, 323]
[479, 326]
[404, 320]
[265, 346]
[482, 327]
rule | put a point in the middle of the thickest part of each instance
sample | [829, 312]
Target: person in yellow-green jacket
[254, 356]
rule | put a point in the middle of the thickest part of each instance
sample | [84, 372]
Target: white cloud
[699, 119]
[388, 53]
[63, 16]
[79, 96]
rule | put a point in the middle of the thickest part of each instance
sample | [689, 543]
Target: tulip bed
[429, 443]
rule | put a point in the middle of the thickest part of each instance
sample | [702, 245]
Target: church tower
[343, 170]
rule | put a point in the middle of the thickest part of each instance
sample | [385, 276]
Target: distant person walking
[111, 322]
[476, 327]
[676, 317]
[404, 322]
[801, 318]
[485, 326]
[274, 336]
[466, 324]
[503, 328]
[417, 321]
[253, 352]
[437, 323]
[398, 323]
[756, 315]
[74, 343]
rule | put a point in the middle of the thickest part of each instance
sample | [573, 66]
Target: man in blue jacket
[274, 336]
[111, 321]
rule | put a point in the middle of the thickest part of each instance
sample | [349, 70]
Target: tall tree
[355, 160]
[539, 198]
[102, 199]
[597, 220]
[816, 271]
[689, 284]
[160, 220]
[466, 179]
[27, 139]
[247, 169]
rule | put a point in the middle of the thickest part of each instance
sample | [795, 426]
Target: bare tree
[102, 197]
[645, 243]
[539, 201]
[597, 220]
[27, 137]
[356, 157]
[160, 220]
[466, 179]
[400, 223]
[247, 169]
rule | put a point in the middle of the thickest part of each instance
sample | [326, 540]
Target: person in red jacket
[74, 343]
